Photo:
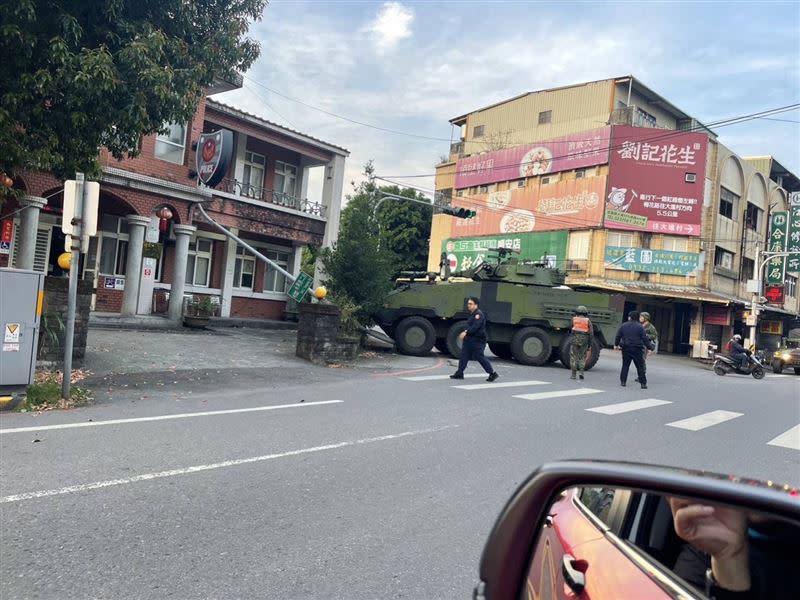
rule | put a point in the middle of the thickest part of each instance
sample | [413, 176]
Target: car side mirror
[621, 530]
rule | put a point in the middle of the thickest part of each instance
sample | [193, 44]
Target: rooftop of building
[769, 166]
[253, 119]
[636, 86]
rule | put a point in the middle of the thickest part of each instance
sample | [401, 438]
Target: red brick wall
[257, 308]
[217, 264]
[107, 300]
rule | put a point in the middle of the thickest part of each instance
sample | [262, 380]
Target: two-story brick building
[612, 183]
[152, 250]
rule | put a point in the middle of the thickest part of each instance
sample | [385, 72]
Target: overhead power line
[659, 137]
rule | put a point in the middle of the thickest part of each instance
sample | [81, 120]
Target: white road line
[623, 407]
[789, 439]
[209, 413]
[558, 394]
[72, 489]
[709, 419]
[437, 377]
[499, 384]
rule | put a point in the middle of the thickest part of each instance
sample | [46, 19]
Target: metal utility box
[21, 298]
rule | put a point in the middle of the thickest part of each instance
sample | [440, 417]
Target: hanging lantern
[164, 213]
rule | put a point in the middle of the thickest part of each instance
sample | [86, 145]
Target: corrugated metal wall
[513, 123]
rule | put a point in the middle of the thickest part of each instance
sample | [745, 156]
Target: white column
[332, 188]
[238, 165]
[303, 168]
[29, 224]
[297, 260]
[183, 234]
[227, 275]
[133, 266]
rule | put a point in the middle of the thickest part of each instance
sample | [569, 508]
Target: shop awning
[644, 288]
[781, 311]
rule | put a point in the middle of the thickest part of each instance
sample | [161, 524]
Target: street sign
[778, 232]
[774, 294]
[73, 207]
[300, 286]
[793, 237]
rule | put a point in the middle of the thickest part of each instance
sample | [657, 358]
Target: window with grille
[675, 244]
[620, 238]
[748, 269]
[274, 280]
[791, 286]
[545, 117]
[579, 245]
[41, 251]
[253, 174]
[752, 217]
[285, 178]
[477, 131]
[198, 265]
[723, 258]
[244, 269]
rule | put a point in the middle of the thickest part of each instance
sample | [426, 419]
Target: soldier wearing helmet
[582, 335]
[650, 331]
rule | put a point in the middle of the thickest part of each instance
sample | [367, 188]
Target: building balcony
[236, 188]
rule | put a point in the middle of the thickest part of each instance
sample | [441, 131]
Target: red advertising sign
[774, 293]
[575, 151]
[569, 204]
[656, 180]
[6, 230]
[716, 315]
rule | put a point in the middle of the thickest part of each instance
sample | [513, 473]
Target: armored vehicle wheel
[415, 336]
[531, 346]
[452, 341]
[501, 349]
[441, 345]
[594, 352]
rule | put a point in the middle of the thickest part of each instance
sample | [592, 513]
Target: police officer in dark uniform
[632, 338]
[474, 342]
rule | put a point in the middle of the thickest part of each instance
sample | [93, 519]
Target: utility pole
[72, 294]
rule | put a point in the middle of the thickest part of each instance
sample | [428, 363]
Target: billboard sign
[778, 230]
[645, 260]
[793, 239]
[572, 204]
[716, 315]
[465, 253]
[656, 180]
[576, 151]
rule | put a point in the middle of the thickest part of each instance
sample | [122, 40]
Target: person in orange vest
[582, 335]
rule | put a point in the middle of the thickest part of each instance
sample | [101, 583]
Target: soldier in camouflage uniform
[582, 334]
[650, 331]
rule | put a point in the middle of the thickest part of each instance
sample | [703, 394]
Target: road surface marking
[559, 394]
[437, 377]
[788, 439]
[623, 407]
[777, 376]
[72, 489]
[209, 413]
[709, 419]
[500, 384]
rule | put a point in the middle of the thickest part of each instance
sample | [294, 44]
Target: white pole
[72, 296]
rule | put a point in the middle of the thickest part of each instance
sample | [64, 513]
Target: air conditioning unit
[691, 177]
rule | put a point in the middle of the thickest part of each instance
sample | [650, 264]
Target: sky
[412, 66]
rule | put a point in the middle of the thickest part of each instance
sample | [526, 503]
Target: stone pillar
[227, 274]
[29, 224]
[133, 266]
[183, 233]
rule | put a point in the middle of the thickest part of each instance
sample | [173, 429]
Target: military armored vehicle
[527, 306]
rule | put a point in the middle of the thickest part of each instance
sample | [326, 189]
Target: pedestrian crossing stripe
[709, 419]
[442, 377]
[788, 439]
[558, 394]
[499, 384]
[623, 407]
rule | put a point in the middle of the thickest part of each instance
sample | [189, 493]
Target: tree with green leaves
[82, 75]
[375, 244]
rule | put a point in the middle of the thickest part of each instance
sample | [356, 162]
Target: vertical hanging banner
[793, 243]
[778, 230]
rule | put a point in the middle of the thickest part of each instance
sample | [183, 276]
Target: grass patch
[45, 393]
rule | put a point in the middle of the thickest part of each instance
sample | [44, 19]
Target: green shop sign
[778, 234]
[465, 253]
[644, 260]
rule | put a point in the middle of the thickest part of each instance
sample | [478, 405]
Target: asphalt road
[360, 484]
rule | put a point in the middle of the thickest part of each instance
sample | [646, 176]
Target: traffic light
[460, 213]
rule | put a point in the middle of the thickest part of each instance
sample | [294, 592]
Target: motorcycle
[725, 364]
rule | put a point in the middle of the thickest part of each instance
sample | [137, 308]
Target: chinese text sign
[778, 229]
[645, 260]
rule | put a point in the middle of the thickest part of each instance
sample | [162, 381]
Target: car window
[598, 500]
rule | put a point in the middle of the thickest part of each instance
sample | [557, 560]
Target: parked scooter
[724, 364]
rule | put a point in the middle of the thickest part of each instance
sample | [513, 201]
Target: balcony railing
[232, 186]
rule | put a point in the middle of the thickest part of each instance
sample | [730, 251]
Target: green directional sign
[300, 286]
